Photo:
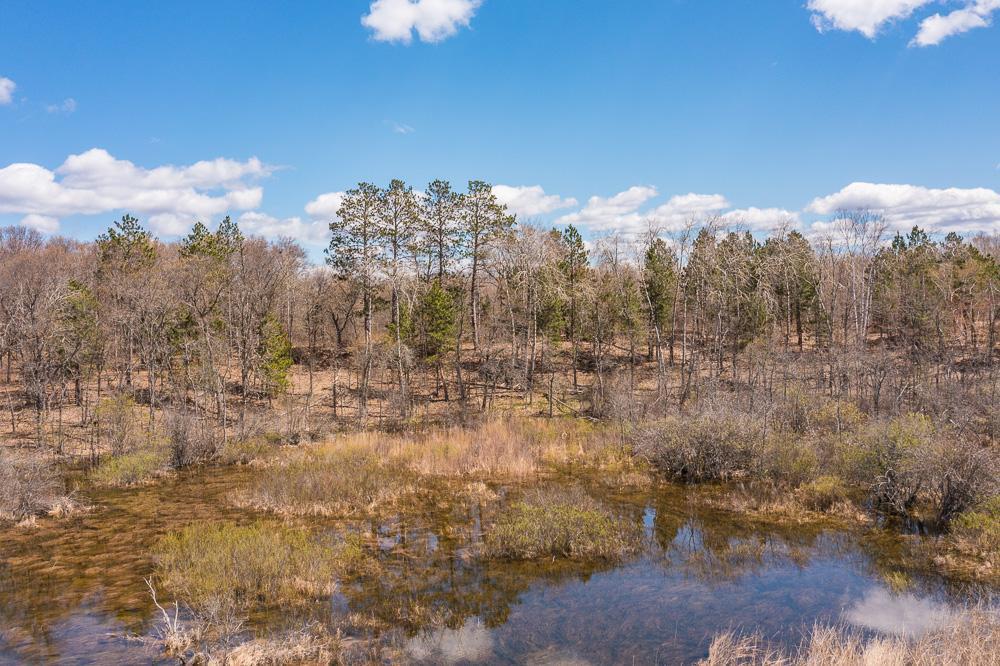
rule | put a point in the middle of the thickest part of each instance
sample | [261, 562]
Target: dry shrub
[706, 447]
[561, 523]
[30, 486]
[971, 639]
[190, 439]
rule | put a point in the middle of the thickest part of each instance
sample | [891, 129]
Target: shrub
[334, 481]
[130, 469]
[890, 459]
[702, 448]
[561, 523]
[223, 570]
[823, 493]
[29, 486]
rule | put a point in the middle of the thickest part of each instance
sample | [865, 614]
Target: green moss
[130, 469]
[568, 524]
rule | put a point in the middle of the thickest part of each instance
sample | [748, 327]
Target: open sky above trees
[603, 115]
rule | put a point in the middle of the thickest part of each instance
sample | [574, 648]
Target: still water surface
[72, 591]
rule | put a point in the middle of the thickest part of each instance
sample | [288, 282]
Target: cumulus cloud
[934, 210]
[325, 206]
[762, 219]
[310, 233]
[625, 213]
[96, 182]
[41, 223]
[67, 106]
[864, 16]
[617, 213]
[530, 200]
[6, 90]
[433, 20]
[935, 29]
[682, 208]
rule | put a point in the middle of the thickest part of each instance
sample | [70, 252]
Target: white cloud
[934, 210]
[402, 128]
[935, 29]
[762, 219]
[681, 209]
[530, 200]
[6, 90]
[865, 16]
[41, 223]
[325, 206]
[434, 20]
[312, 233]
[96, 182]
[67, 106]
[617, 213]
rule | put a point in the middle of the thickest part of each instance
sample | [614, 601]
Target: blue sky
[770, 112]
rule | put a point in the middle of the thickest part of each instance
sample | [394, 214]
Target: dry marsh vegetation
[970, 639]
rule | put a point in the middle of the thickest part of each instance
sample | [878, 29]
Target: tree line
[442, 301]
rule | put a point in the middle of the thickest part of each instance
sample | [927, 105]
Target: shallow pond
[72, 591]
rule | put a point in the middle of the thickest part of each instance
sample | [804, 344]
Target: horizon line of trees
[442, 295]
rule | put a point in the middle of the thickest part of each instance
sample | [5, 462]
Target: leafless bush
[706, 447]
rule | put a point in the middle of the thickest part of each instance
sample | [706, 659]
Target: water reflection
[898, 614]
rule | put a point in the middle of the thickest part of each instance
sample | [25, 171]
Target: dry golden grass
[970, 639]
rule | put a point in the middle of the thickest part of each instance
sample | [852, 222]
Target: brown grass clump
[328, 481]
[970, 639]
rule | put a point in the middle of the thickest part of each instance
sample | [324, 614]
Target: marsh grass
[971, 639]
[222, 571]
[129, 469]
[561, 523]
[327, 481]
